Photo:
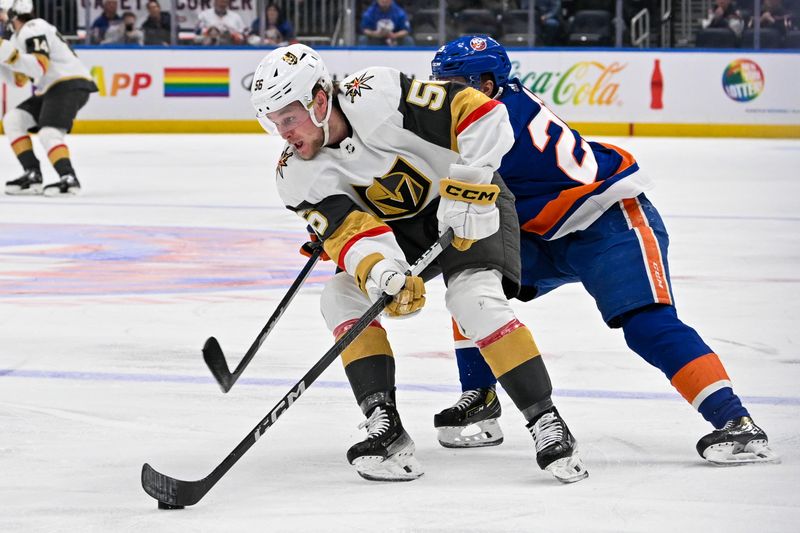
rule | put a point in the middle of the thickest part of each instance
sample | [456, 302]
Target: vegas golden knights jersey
[405, 134]
[44, 57]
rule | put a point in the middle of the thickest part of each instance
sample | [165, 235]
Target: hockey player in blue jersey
[584, 218]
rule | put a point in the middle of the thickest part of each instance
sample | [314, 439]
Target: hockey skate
[740, 441]
[471, 422]
[67, 184]
[556, 448]
[28, 184]
[387, 454]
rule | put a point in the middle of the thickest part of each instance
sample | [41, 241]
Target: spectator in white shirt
[228, 25]
[125, 33]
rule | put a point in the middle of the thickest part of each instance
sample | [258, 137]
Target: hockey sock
[368, 361]
[661, 339]
[59, 158]
[473, 372]
[23, 148]
[515, 360]
[53, 141]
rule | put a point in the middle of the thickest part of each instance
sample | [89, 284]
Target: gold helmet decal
[400, 192]
[290, 58]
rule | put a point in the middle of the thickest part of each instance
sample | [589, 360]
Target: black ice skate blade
[166, 506]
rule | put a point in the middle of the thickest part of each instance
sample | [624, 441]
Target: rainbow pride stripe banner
[197, 82]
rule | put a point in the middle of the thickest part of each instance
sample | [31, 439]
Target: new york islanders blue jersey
[562, 182]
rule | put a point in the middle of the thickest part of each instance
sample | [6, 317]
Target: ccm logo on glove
[469, 192]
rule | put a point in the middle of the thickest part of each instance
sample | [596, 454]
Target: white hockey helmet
[16, 7]
[289, 74]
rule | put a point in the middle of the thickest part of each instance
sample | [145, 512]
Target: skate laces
[546, 431]
[377, 423]
[745, 422]
[467, 397]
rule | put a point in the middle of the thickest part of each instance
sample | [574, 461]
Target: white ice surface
[106, 299]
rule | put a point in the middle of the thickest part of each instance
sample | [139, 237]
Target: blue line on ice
[419, 387]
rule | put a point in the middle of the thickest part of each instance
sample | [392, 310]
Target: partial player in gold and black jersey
[36, 52]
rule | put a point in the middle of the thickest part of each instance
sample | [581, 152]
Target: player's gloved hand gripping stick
[467, 205]
[174, 493]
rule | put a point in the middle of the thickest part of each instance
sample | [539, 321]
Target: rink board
[703, 93]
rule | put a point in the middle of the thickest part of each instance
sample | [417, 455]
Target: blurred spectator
[385, 23]
[724, 14]
[125, 33]
[212, 37]
[4, 33]
[774, 15]
[228, 25]
[277, 30]
[108, 17]
[548, 16]
[157, 27]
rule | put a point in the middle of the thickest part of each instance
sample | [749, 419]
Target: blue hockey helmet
[469, 57]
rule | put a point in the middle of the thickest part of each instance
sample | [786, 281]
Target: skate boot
[68, 184]
[27, 184]
[387, 454]
[740, 441]
[556, 448]
[471, 422]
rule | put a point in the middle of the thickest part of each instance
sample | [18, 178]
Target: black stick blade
[215, 360]
[171, 491]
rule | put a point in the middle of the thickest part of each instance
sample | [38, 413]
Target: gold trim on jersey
[13, 58]
[355, 223]
[463, 104]
[43, 60]
[20, 79]
[363, 269]
[401, 192]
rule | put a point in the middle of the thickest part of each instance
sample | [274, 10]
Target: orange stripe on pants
[654, 264]
[460, 340]
[700, 378]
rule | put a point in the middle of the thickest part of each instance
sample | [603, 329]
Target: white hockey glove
[383, 275]
[8, 52]
[467, 205]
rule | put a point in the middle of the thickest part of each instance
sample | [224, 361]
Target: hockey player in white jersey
[36, 52]
[378, 166]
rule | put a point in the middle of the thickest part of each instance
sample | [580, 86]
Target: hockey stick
[174, 493]
[212, 351]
